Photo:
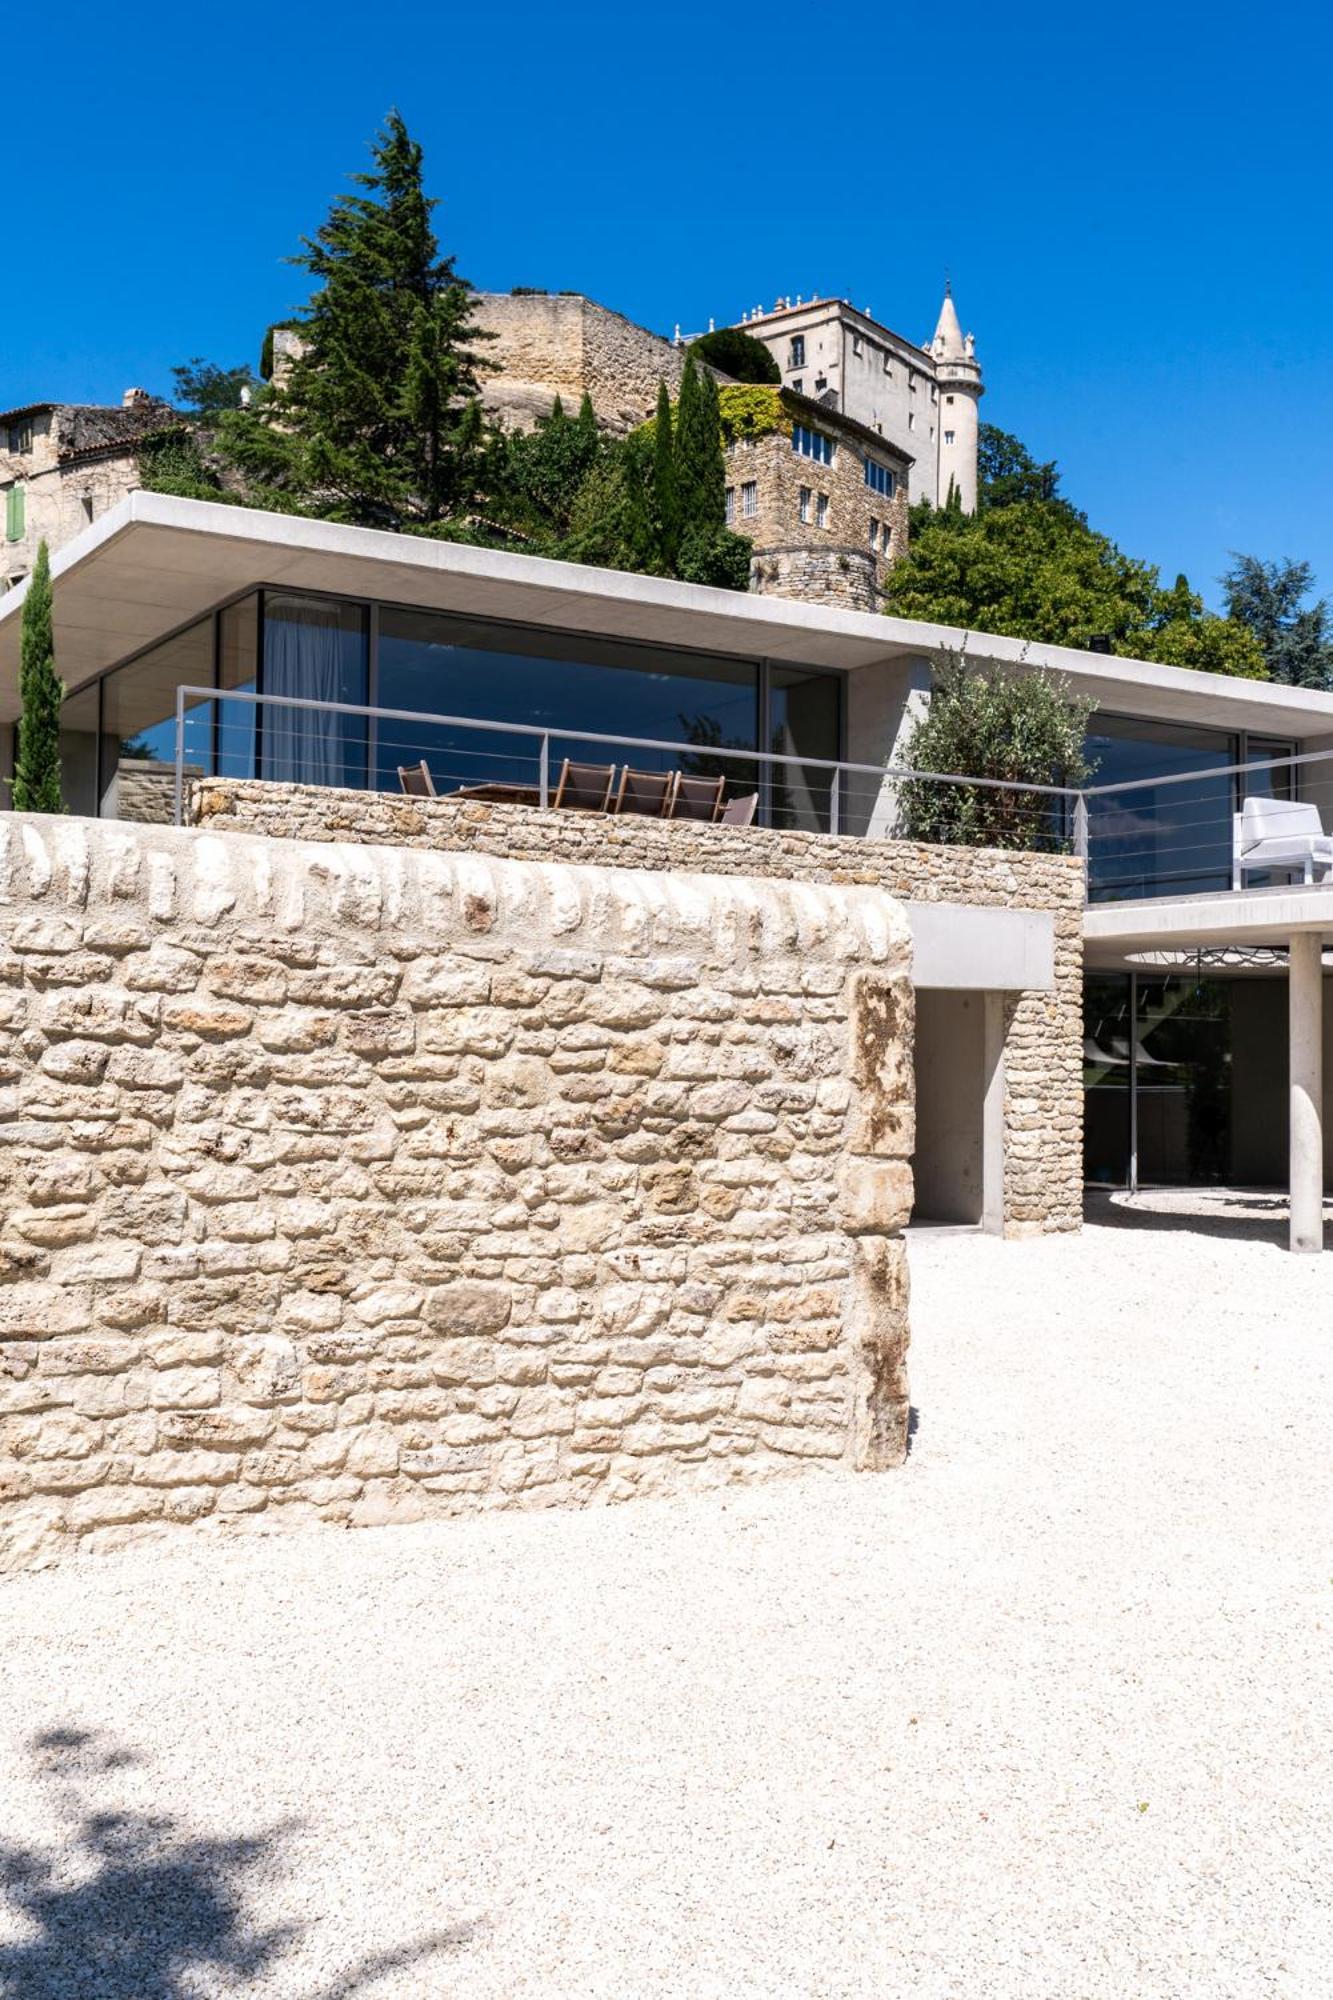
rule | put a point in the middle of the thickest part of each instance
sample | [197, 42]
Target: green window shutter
[14, 514]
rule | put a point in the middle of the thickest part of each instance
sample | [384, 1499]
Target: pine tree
[666, 493]
[700, 472]
[378, 418]
[37, 769]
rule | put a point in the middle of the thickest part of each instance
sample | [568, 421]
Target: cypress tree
[587, 420]
[666, 493]
[378, 419]
[700, 467]
[37, 769]
[713, 469]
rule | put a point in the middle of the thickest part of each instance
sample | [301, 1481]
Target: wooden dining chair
[417, 781]
[648, 793]
[585, 787]
[698, 798]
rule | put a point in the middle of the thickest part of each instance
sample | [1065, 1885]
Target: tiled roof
[84, 428]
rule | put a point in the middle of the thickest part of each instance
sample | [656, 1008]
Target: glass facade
[1170, 839]
[120, 732]
[1157, 1081]
[562, 683]
[136, 774]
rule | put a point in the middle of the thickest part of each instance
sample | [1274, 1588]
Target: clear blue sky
[1133, 203]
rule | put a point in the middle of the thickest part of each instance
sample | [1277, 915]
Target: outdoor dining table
[502, 794]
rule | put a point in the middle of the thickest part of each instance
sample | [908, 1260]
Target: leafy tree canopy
[737, 354]
[1028, 565]
[205, 389]
[1293, 637]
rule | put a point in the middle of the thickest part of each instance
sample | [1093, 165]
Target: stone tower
[959, 387]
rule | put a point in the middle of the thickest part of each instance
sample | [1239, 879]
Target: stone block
[875, 1196]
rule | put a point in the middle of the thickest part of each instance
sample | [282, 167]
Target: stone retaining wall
[1043, 1049]
[352, 1184]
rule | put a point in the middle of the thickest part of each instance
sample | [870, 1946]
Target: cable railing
[295, 740]
[1172, 833]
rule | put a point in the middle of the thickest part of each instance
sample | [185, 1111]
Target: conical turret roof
[948, 343]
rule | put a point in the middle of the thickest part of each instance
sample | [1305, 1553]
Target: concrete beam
[1305, 981]
[977, 948]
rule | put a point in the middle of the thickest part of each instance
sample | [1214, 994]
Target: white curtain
[303, 645]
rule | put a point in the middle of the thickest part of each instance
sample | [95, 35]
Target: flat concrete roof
[1112, 931]
[154, 562]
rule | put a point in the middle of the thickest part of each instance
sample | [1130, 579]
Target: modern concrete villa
[319, 662]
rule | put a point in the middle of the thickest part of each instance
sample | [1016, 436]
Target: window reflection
[138, 763]
[78, 752]
[1160, 840]
[803, 720]
[561, 684]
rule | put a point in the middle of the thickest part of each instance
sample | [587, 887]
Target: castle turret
[959, 386]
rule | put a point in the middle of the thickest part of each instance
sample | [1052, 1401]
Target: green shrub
[984, 723]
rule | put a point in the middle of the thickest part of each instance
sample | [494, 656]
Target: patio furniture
[740, 812]
[697, 798]
[500, 792]
[1281, 834]
[649, 793]
[585, 787]
[416, 780]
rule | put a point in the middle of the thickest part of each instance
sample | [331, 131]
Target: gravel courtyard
[1046, 1713]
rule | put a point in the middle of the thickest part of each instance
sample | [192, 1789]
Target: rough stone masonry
[1043, 1031]
[352, 1184]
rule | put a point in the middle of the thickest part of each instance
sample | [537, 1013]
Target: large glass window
[78, 752]
[139, 726]
[1161, 839]
[804, 721]
[1157, 1080]
[452, 666]
[238, 671]
[314, 651]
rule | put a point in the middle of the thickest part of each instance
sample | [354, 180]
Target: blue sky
[1133, 203]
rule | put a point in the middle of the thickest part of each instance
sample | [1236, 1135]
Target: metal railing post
[833, 802]
[544, 770]
[179, 818]
[1081, 827]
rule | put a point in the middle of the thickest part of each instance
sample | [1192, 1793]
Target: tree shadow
[1241, 1215]
[132, 1906]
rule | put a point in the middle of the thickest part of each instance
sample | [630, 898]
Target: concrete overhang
[1114, 932]
[978, 949]
[154, 562]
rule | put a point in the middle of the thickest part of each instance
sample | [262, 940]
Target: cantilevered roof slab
[1113, 932]
[155, 562]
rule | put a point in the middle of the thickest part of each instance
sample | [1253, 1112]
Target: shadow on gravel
[1235, 1216]
[131, 1906]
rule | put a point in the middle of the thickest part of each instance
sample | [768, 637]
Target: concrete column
[1305, 998]
[992, 1118]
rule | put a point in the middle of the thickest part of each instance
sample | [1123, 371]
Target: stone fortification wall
[1043, 1169]
[351, 1184]
[549, 344]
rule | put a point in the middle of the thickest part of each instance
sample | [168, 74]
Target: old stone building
[62, 465]
[823, 499]
[922, 399]
[549, 344]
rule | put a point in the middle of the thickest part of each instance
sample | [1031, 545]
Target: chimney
[134, 399]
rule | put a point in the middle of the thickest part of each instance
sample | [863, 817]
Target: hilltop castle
[870, 422]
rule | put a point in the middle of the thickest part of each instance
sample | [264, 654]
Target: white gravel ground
[1045, 1713]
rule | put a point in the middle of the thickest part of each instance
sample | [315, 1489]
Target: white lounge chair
[1280, 834]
